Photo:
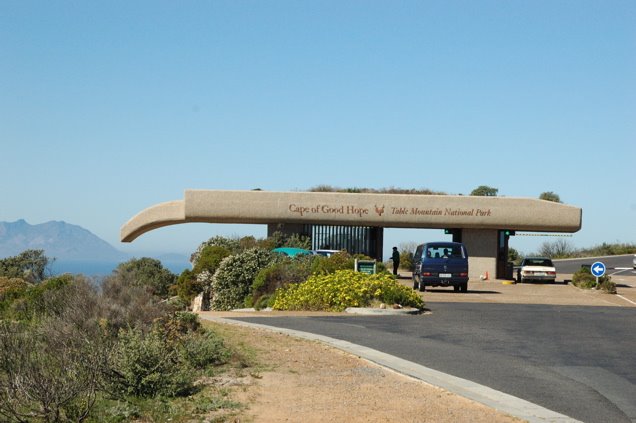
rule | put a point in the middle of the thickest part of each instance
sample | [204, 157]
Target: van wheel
[464, 287]
[456, 288]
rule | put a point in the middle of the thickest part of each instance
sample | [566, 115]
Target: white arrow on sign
[598, 269]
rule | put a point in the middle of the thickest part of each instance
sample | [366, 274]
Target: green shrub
[128, 305]
[282, 271]
[201, 350]
[233, 245]
[584, 279]
[187, 286]
[263, 302]
[233, 281]
[49, 371]
[406, 260]
[193, 282]
[338, 261]
[210, 258]
[606, 249]
[33, 301]
[345, 288]
[146, 272]
[147, 365]
[10, 290]
[10, 286]
[30, 265]
[178, 324]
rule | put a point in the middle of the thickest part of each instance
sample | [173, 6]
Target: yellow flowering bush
[342, 289]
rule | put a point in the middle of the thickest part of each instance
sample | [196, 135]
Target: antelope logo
[379, 210]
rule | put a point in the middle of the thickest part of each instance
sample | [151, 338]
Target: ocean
[104, 268]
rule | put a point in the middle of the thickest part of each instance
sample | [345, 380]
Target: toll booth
[367, 240]
[504, 267]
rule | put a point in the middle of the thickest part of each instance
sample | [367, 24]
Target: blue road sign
[598, 269]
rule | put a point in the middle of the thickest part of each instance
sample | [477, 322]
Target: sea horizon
[101, 268]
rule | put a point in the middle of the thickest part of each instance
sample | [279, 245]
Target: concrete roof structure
[381, 210]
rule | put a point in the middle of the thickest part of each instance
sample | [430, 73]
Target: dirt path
[312, 382]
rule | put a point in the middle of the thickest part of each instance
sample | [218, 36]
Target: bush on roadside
[345, 288]
[232, 282]
[210, 258]
[584, 279]
[233, 245]
[190, 284]
[606, 249]
[53, 352]
[146, 272]
[129, 306]
[47, 373]
[146, 365]
[282, 271]
[201, 350]
[339, 261]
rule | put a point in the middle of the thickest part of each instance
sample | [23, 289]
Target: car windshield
[538, 262]
[444, 251]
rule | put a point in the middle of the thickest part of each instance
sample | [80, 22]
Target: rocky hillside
[59, 240]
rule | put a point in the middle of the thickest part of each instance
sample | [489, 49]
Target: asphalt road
[612, 263]
[578, 361]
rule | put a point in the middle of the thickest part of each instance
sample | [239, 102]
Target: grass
[209, 403]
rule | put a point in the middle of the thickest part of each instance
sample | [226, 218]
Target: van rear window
[440, 251]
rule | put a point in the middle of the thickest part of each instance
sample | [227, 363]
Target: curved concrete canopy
[382, 210]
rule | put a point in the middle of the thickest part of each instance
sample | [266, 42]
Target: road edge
[489, 397]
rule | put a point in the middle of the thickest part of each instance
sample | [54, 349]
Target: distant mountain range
[59, 240]
[75, 249]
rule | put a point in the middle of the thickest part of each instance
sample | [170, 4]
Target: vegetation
[189, 284]
[30, 265]
[280, 239]
[232, 282]
[406, 255]
[391, 190]
[514, 256]
[345, 288]
[283, 271]
[126, 351]
[550, 196]
[562, 248]
[233, 273]
[584, 279]
[145, 272]
[70, 352]
[485, 191]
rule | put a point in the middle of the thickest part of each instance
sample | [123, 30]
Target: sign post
[598, 270]
[365, 266]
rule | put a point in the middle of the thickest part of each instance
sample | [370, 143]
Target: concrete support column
[482, 252]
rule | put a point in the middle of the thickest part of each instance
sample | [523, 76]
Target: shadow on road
[470, 291]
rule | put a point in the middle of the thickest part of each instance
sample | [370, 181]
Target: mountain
[59, 240]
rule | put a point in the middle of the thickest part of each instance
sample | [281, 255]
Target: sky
[107, 108]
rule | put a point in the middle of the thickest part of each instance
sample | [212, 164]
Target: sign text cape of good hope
[327, 209]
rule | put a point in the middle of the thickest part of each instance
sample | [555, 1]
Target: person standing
[396, 260]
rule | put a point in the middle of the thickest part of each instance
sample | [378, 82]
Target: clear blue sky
[107, 108]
